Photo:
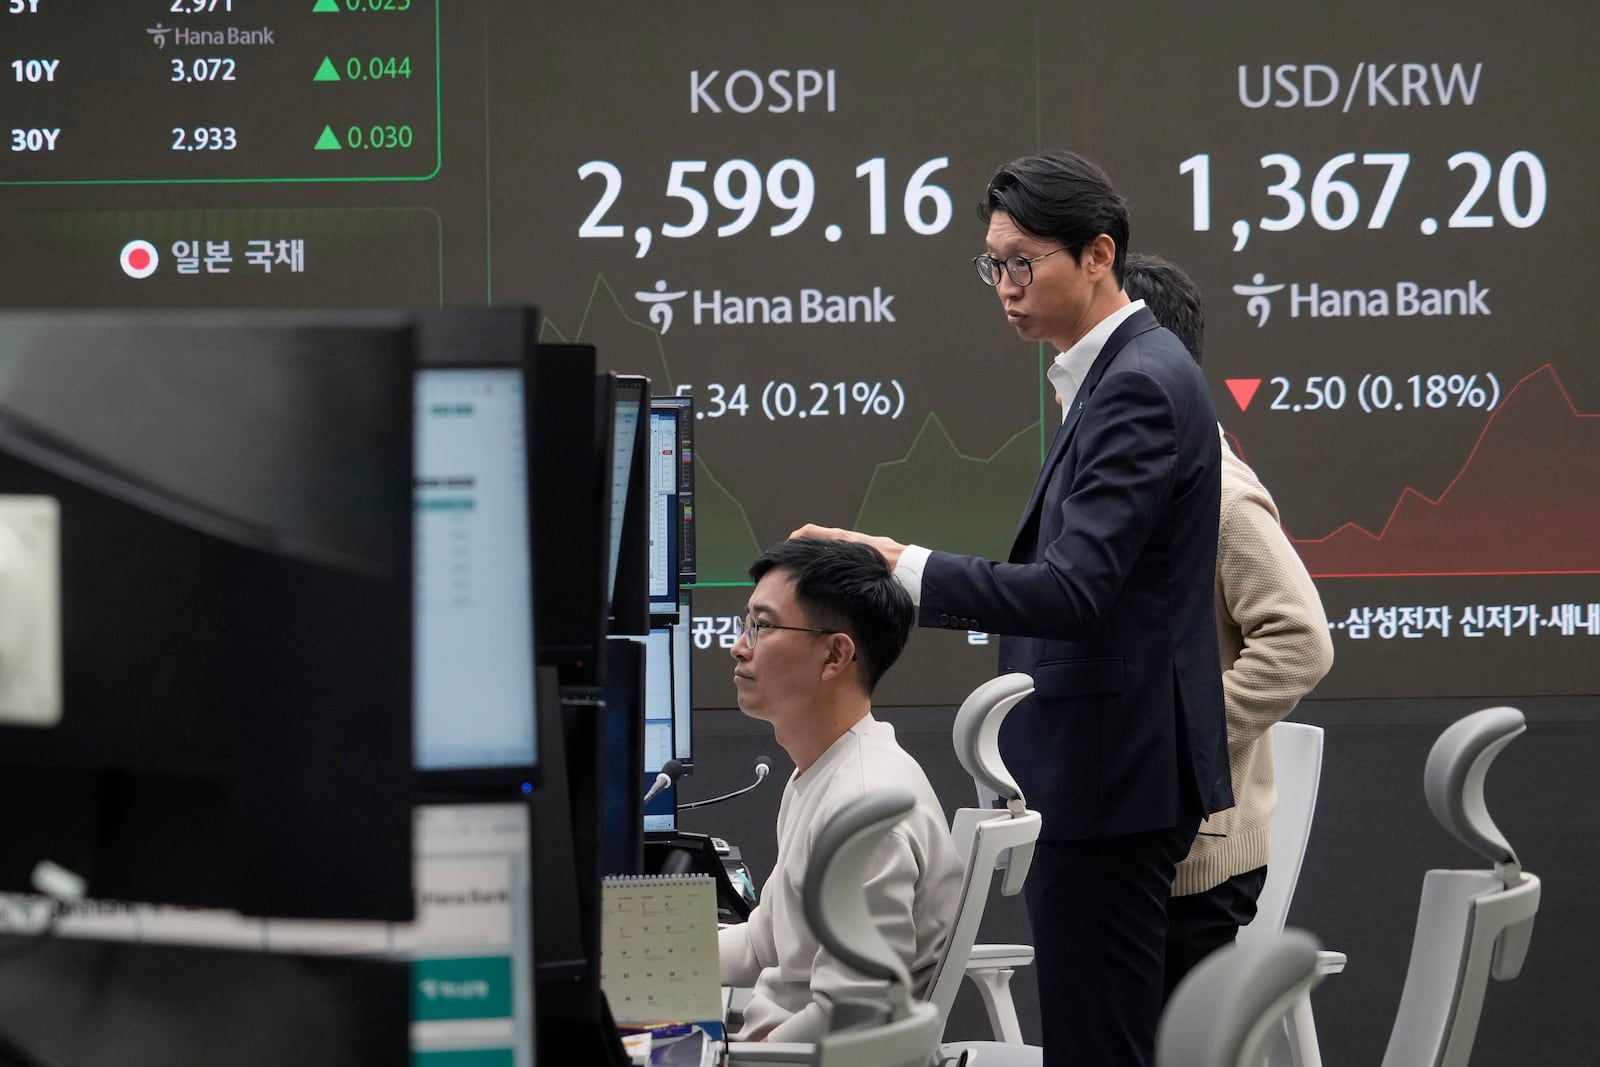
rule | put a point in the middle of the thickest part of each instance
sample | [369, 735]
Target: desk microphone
[763, 768]
[671, 771]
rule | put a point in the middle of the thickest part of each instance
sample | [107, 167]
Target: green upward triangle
[326, 73]
[325, 5]
[328, 139]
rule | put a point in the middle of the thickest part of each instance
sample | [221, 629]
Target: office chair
[1470, 924]
[1297, 769]
[897, 1031]
[1222, 1014]
[1297, 761]
[991, 966]
[1001, 834]
[988, 837]
[1225, 1010]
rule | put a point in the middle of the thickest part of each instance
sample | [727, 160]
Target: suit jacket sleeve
[1126, 441]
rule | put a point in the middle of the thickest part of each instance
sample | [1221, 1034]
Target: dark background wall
[1372, 839]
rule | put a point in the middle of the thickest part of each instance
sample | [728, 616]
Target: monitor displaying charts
[475, 704]
[668, 712]
[670, 465]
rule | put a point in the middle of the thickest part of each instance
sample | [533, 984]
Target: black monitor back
[123, 1004]
[623, 784]
[235, 547]
[570, 428]
[630, 532]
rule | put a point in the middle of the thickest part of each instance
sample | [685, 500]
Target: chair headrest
[835, 901]
[1453, 781]
[1220, 1013]
[977, 732]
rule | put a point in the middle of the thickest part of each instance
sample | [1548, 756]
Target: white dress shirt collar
[1072, 366]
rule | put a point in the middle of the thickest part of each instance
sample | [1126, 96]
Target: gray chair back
[836, 906]
[976, 734]
[898, 1032]
[987, 838]
[1224, 1010]
[1297, 772]
[1471, 925]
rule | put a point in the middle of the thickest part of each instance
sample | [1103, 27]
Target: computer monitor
[629, 536]
[669, 694]
[575, 1023]
[671, 473]
[668, 713]
[659, 742]
[572, 417]
[623, 778]
[657, 711]
[472, 946]
[235, 592]
[660, 811]
[122, 1003]
[130, 986]
[683, 686]
[475, 696]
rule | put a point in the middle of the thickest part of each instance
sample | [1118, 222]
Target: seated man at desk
[826, 619]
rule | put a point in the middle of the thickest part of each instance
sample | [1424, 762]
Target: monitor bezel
[628, 607]
[512, 780]
[682, 563]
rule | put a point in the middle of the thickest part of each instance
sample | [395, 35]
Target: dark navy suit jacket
[1107, 601]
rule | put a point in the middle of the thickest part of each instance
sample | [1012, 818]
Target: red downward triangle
[1243, 390]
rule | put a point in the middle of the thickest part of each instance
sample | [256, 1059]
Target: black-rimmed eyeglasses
[750, 629]
[1020, 268]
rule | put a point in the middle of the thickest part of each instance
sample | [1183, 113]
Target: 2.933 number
[204, 139]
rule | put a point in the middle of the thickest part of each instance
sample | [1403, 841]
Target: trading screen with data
[772, 210]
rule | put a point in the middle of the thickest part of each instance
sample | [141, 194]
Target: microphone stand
[726, 796]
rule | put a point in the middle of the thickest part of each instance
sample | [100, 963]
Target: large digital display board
[773, 209]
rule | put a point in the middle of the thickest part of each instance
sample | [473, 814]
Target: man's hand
[888, 547]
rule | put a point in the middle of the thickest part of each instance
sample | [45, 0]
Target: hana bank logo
[803, 307]
[158, 33]
[1259, 304]
[660, 304]
[1401, 299]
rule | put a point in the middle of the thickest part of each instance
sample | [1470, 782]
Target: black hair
[1062, 197]
[1172, 298]
[847, 586]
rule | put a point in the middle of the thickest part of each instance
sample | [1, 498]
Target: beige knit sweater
[1275, 648]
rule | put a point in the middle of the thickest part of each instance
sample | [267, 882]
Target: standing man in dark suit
[1107, 601]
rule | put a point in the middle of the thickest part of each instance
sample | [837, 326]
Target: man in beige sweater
[826, 620]
[1275, 648]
